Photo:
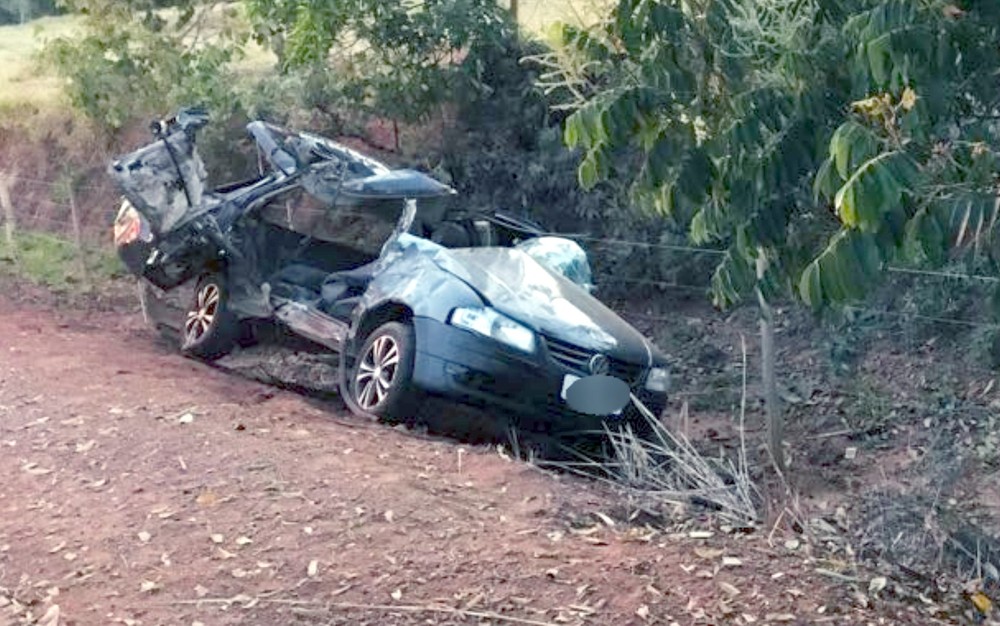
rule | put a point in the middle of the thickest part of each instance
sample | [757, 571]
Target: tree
[399, 60]
[134, 59]
[816, 140]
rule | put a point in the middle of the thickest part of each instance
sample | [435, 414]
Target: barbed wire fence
[68, 214]
[31, 206]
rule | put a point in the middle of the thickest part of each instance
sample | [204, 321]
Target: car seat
[341, 291]
[298, 282]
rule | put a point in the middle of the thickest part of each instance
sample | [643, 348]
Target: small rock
[729, 589]
[148, 586]
[51, 617]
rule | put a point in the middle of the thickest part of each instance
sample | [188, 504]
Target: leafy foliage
[770, 127]
[134, 60]
[401, 60]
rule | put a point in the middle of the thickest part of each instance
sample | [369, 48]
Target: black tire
[388, 349]
[210, 329]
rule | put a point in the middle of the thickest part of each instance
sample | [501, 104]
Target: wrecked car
[377, 265]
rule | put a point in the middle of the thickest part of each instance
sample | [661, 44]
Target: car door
[295, 228]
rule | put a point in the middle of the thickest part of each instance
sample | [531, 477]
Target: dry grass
[22, 81]
[660, 468]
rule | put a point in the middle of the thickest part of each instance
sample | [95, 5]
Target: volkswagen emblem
[599, 364]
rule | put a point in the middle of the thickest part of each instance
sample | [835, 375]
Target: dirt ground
[144, 488]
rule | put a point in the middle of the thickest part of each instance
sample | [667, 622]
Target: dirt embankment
[144, 488]
[49, 153]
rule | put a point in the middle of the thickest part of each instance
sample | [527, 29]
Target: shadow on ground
[314, 375]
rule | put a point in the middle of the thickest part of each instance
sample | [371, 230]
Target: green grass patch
[28, 84]
[24, 80]
[54, 262]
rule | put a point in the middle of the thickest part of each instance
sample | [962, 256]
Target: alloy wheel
[200, 320]
[376, 372]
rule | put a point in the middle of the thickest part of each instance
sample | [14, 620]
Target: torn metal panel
[269, 145]
[164, 181]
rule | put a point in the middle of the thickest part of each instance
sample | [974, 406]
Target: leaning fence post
[6, 182]
[77, 237]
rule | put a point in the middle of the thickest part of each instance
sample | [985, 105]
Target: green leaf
[588, 172]
[846, 271]
[731, 280]
[826, 183]
[810, 287]
[878, 59]
[701, 231]
[573, 131]
[851, 145]
[658, 160]
[871, 191]
[695, 175]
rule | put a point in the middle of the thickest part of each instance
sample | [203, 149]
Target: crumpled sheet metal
[511, 280]
[561, 255]
[149, 179]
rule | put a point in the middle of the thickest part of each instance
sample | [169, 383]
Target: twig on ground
[404, 608]
[774, 529]
[837, 575]
[836, 433]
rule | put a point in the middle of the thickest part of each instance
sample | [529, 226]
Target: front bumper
[479, 371]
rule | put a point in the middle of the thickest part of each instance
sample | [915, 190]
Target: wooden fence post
[775, 420]
[10, 225]
[77, 237]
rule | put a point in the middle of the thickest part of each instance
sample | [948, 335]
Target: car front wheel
[210, 328]
[378, 383]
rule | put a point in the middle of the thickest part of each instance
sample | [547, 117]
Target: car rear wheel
[210, 328]
[379, 381]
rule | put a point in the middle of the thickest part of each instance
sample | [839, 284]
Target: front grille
[578, 359]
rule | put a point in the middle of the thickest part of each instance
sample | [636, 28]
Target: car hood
[517, 285]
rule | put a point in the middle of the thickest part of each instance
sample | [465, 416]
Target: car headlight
[491, 323]
[658, 379]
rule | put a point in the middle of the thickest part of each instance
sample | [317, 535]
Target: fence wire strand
[96, 234]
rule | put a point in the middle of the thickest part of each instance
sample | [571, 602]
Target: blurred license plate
[568, 381]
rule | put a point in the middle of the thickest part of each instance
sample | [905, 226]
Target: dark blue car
[374, 264]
